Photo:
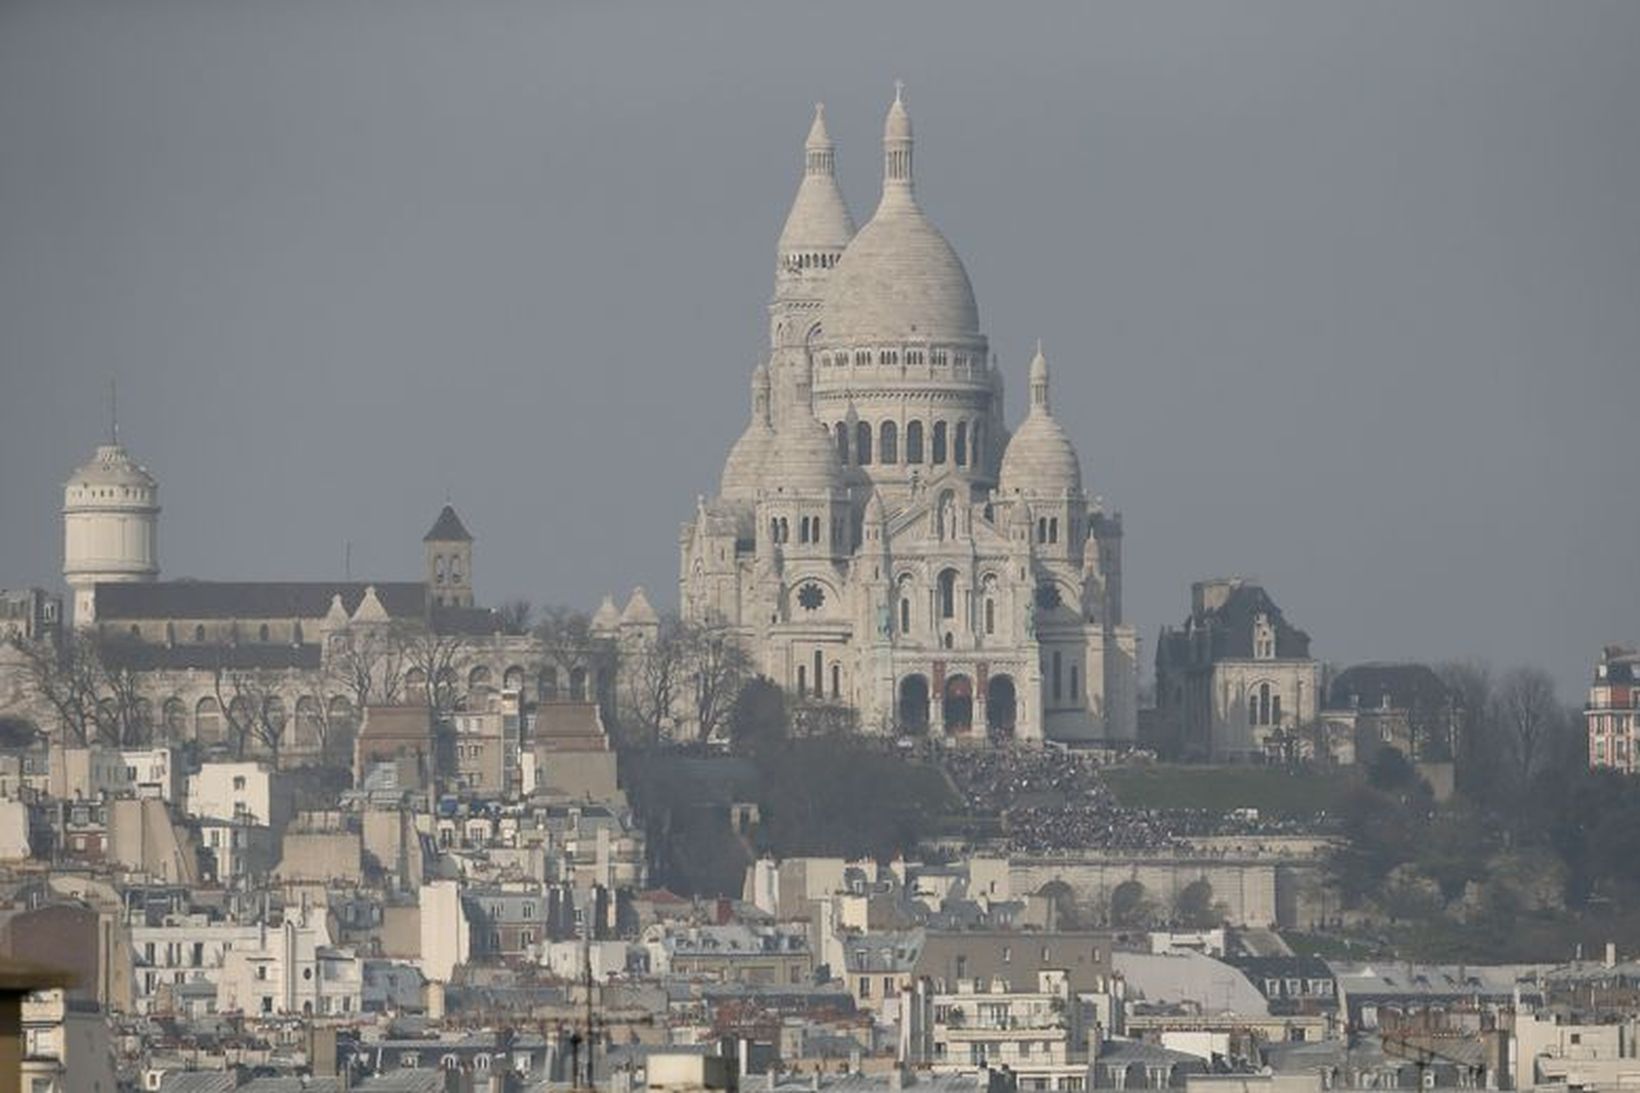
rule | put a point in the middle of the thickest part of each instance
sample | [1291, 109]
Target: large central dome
[899, 280]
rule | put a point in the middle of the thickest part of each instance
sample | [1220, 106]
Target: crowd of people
[1051, 801]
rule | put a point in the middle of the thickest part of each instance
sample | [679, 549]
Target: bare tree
[124, 716]
[716, 667]
[65, 680]
[653, 677]
[252, 709]
[516, 615]
[565, 636]
[367, 664]
[1528, 716]
[1475, 749]
[437, 658]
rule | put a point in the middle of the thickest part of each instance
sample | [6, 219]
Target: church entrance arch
[1001, 705]
[914, 704]
[958, 704]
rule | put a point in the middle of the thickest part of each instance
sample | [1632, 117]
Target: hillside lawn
[1274, 791]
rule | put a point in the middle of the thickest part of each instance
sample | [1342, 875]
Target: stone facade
[1236, 682]
[879, 541]
[1612, 713]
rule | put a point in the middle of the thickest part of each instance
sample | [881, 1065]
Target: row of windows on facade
[938, 358]
[791, 263]
[808, 530]
[943, 443]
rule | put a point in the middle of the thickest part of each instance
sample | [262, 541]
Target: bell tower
[448, 550]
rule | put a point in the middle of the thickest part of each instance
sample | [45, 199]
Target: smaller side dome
[1040, 459]
[804, 457]
[743, 470]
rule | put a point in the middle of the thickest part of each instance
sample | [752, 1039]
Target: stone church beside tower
[879, 538]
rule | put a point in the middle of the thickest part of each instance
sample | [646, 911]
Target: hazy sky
[1344, 297]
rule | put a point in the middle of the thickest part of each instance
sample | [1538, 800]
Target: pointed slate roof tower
[448, 528]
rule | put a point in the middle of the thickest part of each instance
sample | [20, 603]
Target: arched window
[1041, 529]
[819, 674]
[1275, 709]
[438, 569]
[176, 719]
[1058, 663]
[836, 681]
[914, 442]
[802, 680]
[948, 594]
[1263, 703]
[1053, 529]
[990, 616]
[840, 431]
[1074, 683]
[888, 443]
[937, 448]
[862, 443]
[959, 454]
[546, 688]
[905, 613]
[262, 632]
[199, 633]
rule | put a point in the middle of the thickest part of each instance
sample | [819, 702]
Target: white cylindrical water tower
[110, 527]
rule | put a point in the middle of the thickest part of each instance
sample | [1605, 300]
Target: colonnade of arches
[960, 444]
[914, 704]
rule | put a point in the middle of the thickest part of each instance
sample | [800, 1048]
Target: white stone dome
[743, 470]
[1040, 459]
[899, 279]
[803, 457]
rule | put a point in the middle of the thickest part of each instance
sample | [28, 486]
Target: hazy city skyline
[1376, 349]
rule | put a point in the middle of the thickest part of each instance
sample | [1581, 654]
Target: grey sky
[1346, 297]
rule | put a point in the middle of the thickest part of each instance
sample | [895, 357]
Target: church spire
[1039, 381]
[897, 144]
[820, 153]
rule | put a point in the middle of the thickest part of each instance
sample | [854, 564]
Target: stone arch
[957, 703]
[1001, 705]
[208, 720]
[341, 714]
[913, 704]
[308, 727]
[513, 678]
[479, 676]
[175, 715]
